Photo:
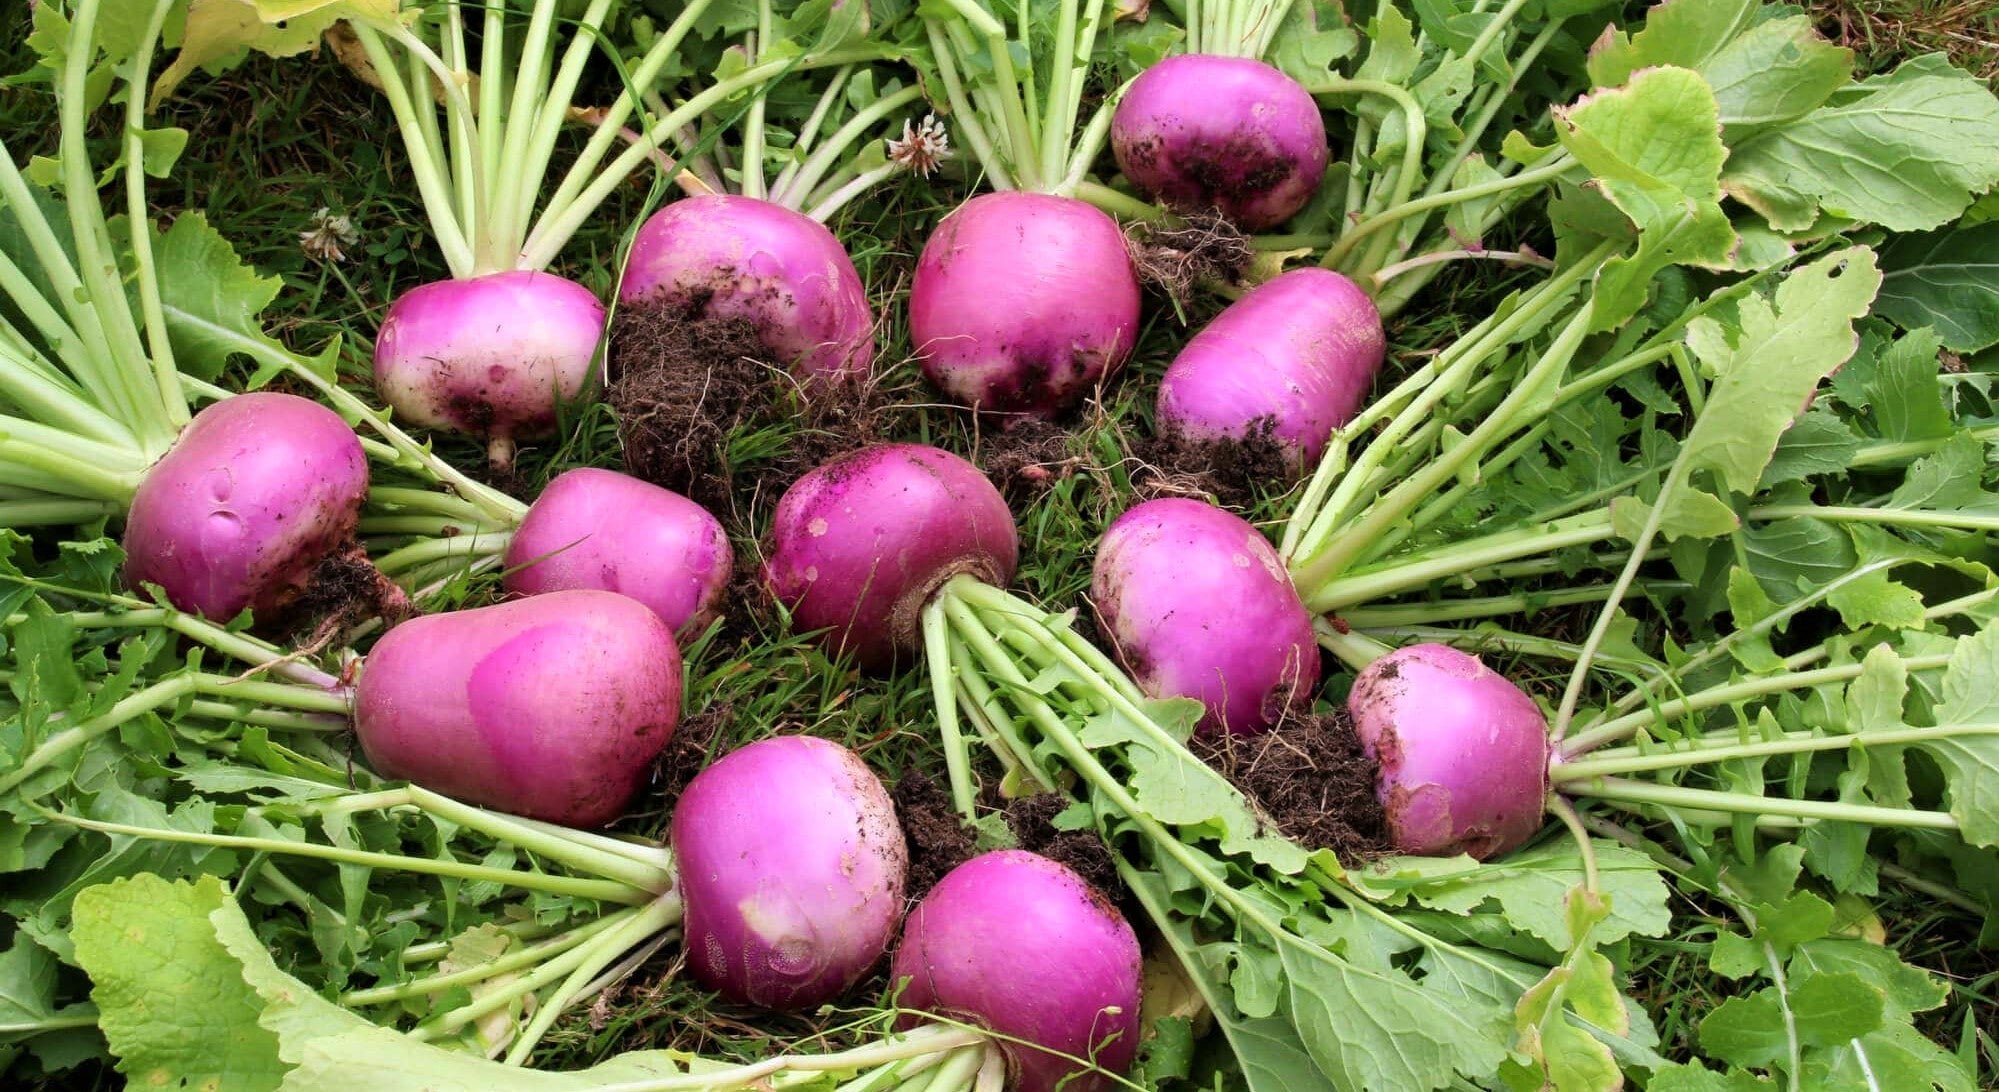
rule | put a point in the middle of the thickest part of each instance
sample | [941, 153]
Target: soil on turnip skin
[1176, 261]
[1311, 779]
[938, 842]
[1233, 472]
[683, 384]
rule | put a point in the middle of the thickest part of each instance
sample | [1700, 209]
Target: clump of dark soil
[938, 842]
[1175, 261]
[1027, 457]
[684, 384]
[689, 751]
[344, 590]
[1310, 777]
[1236, 472]
[1032, 820]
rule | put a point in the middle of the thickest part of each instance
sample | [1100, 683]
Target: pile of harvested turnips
[1541, 630]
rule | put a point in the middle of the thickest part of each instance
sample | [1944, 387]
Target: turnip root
[1023, 946]
[1205, 133]
[594, 528]
[792, 868]
[723, 256]
[859, 545]
[1197, 604]
[1463, 753]
[493, 355]
[1292, 359]
[257, 490]
[552, 707]
[1023, 302]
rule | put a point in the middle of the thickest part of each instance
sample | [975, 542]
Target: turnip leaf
[1946, 279]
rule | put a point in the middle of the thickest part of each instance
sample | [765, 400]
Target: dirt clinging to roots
[1032, 821]
[1176, 261]
[684, 383]
[1310, 777]
[1027, 457]
[938, 842]
[1234, 472]
[690, 751]
[343, 590]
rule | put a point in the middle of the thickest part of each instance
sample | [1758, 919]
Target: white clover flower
[922, 146]
[328, 236]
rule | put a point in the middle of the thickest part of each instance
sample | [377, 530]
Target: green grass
[275, 141]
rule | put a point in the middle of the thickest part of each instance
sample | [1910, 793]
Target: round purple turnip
[1022, 945]
[1022, 302]
[792, 867]
[595, 528]
[1203, 133]
[493, 356]
[1197, 604]
[1292, 360]
[1463, 753]
[861, 543]
[726, 256]
[256, 491]
[553, 707]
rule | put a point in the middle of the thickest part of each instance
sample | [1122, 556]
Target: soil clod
[1313, 781]
[1236, 473]
[1176, 261]
[938, 842]
[1032, 820]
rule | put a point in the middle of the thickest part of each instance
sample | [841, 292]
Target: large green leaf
[1947, 280]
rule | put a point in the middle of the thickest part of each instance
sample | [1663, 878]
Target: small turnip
[256, 491]
[594, 528]
[1023, 302]
[553, 707]
[860, 544]
[1463, 753]
[1197, 604]
[1291, 359]
[719, 256]
[1024, 946]
[792, 868]
[494, 355]
[1205, 133]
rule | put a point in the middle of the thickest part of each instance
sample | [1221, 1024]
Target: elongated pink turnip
[722, 256]
[1022, 945]
[1022, 302]
[493, 355]
[860, 544]
[1463, 753]
[1206, 133]
[1197, 604]
[1290, 360]
[552, 707]
[594, 528]
[792, 868]
[257, 490]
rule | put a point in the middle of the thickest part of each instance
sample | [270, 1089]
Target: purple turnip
[552, 707]
[1229, 134]
[723, 256]
[257, 490]
[1291, 359]
[1463, 753]
[1197, 604]
[791, 868]
[1023, 302]
[860, 544]
[494, 355]
[1023, 946]
[594, 528]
